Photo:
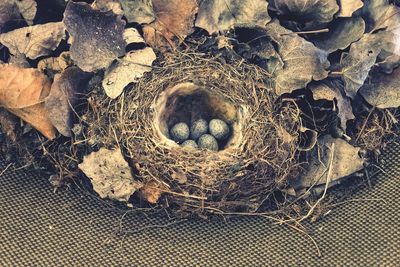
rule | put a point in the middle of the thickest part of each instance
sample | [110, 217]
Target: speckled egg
[219, 129]
[198, 128]
[179, 132]
[190, 144]
[208, 141]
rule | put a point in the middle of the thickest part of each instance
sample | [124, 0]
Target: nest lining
[259, 157]
[188, 102]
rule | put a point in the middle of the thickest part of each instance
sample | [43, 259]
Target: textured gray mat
[70, 228]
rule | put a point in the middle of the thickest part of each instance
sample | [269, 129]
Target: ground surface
[70, 228]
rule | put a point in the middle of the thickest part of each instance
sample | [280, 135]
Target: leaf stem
[307, 32]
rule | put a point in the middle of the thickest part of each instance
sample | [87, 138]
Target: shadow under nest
[255, 162]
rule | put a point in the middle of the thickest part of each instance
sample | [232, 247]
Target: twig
[365, 124]
[3, 171]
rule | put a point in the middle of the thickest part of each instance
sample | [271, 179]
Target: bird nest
[259, 157]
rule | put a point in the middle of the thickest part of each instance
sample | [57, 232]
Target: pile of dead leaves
[337, 60]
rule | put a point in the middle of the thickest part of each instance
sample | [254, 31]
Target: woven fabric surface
[39, 227]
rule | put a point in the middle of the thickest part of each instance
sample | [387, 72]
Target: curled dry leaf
[56, 64]
[108, 5]
[330, 90]
[304, 13]
[66, 91]
[22, 92]
[218, 16]
[34, 41]
[139, 11]
[151, 192]
[303, 62]
[174, 18]
[97, 37]
[348, 7]
[110, 174]
[342, 33]
[383, 90]
[345, 161]
[127, 70]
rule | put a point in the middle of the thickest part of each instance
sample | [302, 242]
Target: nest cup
[188, 102]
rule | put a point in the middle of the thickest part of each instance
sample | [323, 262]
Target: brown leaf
[383, 90]
[8, 13]
[358, 62]
[66, 90]
[12, 10]
[110, 174]
[342, 33]
[218, 16]
[152, 191]
[348, 7]
[97, 37]
[139, 11]
[34, 41]
[345, 162]
[7, 124]
[329, 90]
[307, 15]
[108, 5]
[127, 70]
[22, 92]
[28, 9]
[380, 15]
[56, 64]
[174, 18]
[303, 62]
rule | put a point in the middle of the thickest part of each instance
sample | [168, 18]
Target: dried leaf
[132, 36]
[380, 15]
[127, 70]
[110, 174]
[345, 162]
[303, 62]
[218, 16]
[258, 48]
[152, 191]
[382, 90]
[329, 90]
[139, 11]
[307, 14]
[12, 10]
[342, 32]
[174, 18]
[22, 92]
[27, 8]
[56, 64]
[7, 124]
[348, 7]
[8, 13]
[108, 5]
[97, 36]
[34, 41]
[359, 61]
[66, 90]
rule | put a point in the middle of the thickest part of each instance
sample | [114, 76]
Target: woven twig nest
[258, 158]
